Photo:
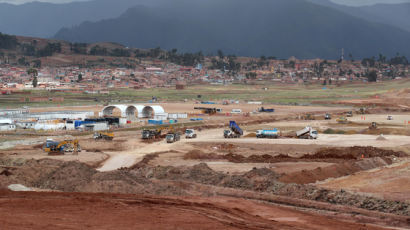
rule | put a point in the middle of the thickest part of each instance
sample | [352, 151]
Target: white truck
[274, 133]
[307, 133]
[190, 133]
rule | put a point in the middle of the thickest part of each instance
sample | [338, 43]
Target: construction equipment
[373, 125]
[59, 148]
[342, 120]
[307, 133]
[362, 110]
[309, 117]
[389, 118]
[173, 137]
[349, 114]
[151, 134]
[274, 133]
[328, 116]
[210, 111]
[234, 131]
[263, 110]
[103, 136]
[190, 133]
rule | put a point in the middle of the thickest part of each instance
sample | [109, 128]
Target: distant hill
[397, 15]
[38, 19]
[280, 28]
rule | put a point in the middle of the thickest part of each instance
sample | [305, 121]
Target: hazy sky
[347, 2]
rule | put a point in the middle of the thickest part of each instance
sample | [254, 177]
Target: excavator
[59, 148]
[103, 136]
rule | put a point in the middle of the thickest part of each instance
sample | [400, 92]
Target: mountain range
[282, 28]
[397, 15]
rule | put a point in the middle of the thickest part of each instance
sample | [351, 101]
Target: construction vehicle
[349, 114]
[234, 131]
[362, 110]
[389, 118]
[309, 117]
[190, 133]
[373, 125]
[151, 134]
[263, 110]
[173, 137]
[307, 133]
[327, 116]
[274, 133]
[210, 111]
[342, 120]
[103, 136]
[59, 148]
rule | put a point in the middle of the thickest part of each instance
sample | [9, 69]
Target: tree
[220, 54]
[372, 76]
[251, 75]
[35, 82]
[22, 61]
[33, 72]
[37, 63]
[80, 77]
[8, 41]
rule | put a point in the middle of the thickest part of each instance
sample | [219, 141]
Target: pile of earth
[355, 152]
[325, 154]
[161, 180]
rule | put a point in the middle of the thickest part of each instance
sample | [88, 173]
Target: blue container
[155, 122]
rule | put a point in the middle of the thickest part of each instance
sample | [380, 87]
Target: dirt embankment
[346, 161]
[324, 154]
[79, 177]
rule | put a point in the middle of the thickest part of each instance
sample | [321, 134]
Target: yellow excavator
[59, 148]
[103, 136]
[342, 120]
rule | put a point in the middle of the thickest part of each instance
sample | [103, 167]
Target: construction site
[208, 165]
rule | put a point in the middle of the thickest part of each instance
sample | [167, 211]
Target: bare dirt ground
[354, 181]
[390, 182]
[58, 210]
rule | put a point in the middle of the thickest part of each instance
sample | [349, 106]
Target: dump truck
[60, 147]
[151, 134]
[190, 133]
[173, 137]
[234, 131]
[274, 133]
[307, 133]
[103, 136]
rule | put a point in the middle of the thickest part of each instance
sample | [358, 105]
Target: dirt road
[335, 140]
[111, 211]
[130, 157]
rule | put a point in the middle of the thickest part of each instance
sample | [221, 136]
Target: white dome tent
[132, 111]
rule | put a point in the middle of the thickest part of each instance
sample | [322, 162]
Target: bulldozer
[59, 148]
[103, 136]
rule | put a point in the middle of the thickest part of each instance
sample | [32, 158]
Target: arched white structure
[130, 111]
[108, 110]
